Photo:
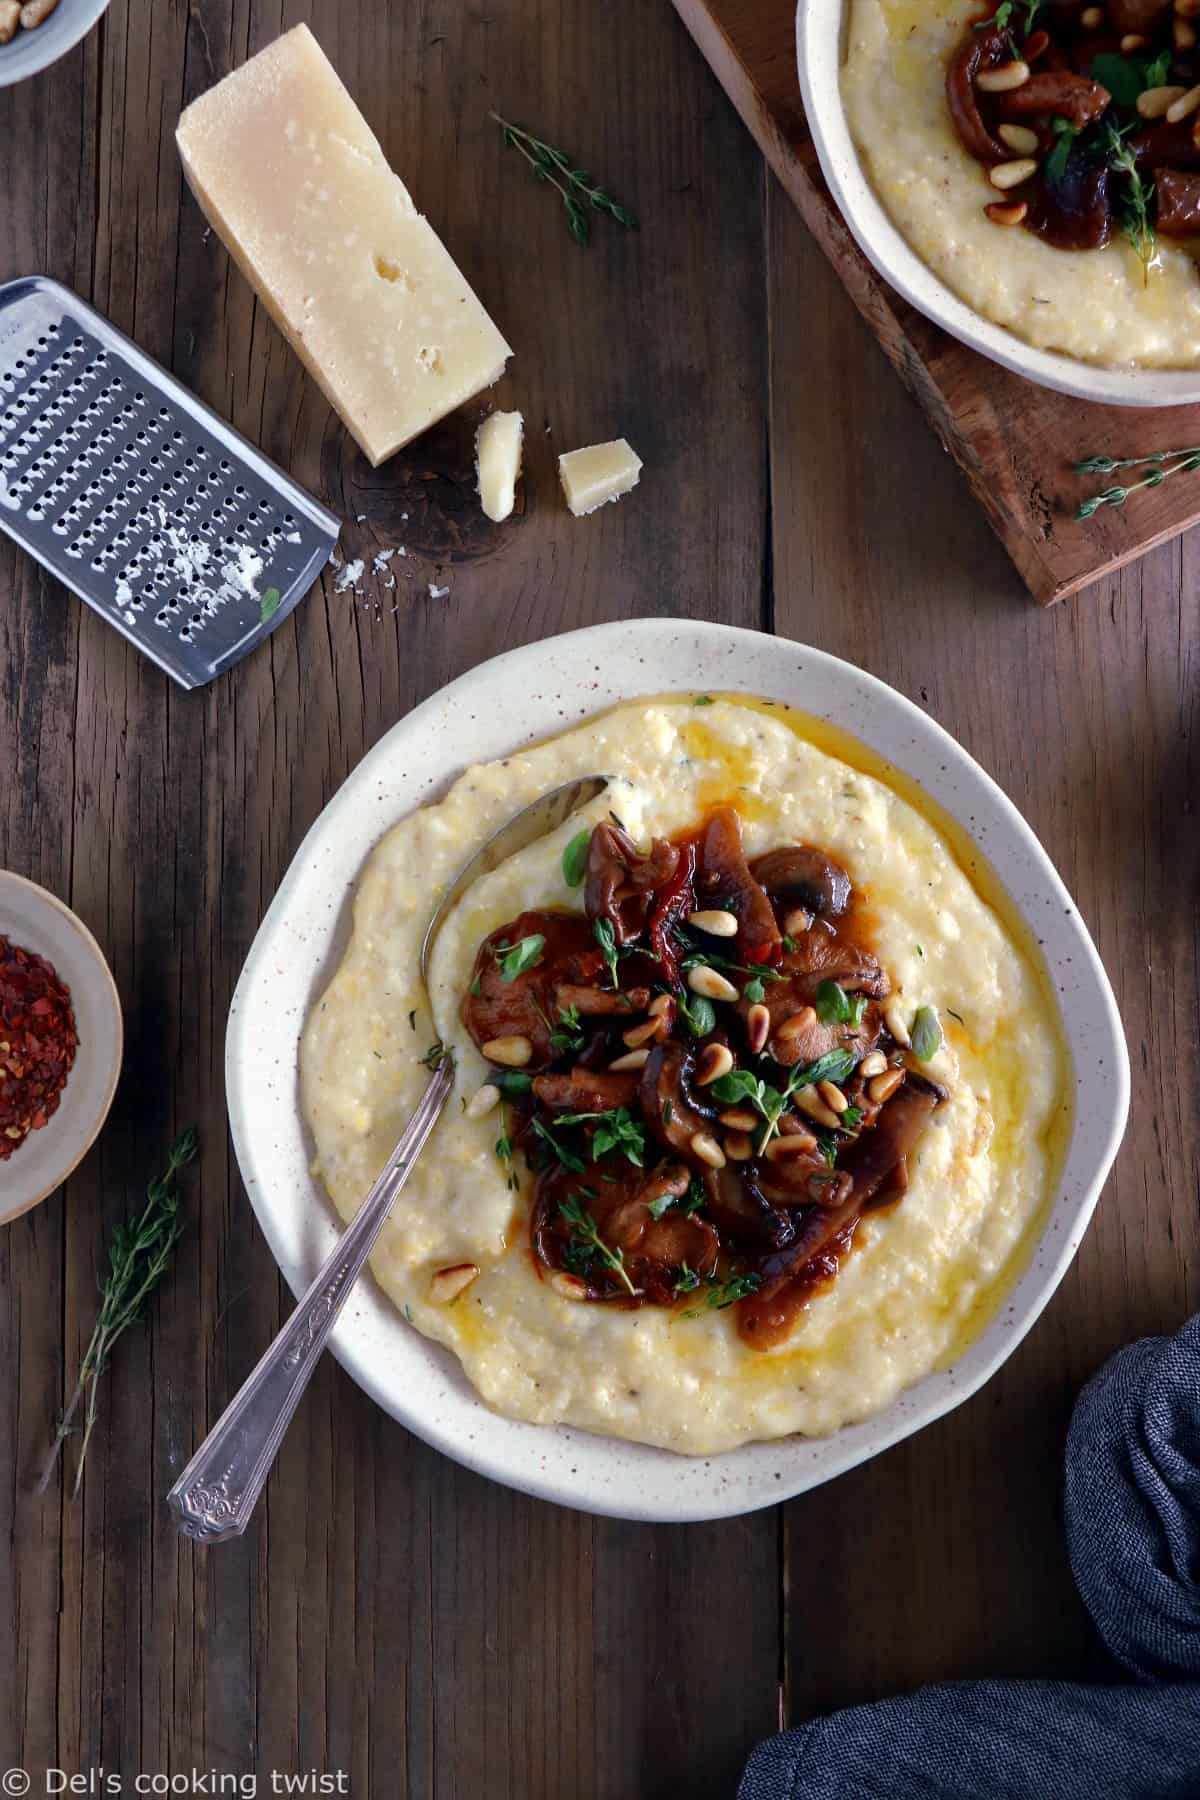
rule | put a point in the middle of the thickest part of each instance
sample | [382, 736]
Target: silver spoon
[216, 1494]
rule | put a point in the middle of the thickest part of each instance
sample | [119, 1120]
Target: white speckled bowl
[32, 51]
[39, 921]
[558, 683]
[819, 35]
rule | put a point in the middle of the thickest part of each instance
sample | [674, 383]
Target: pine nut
[714, 1061]
[833, 1096]
[795, 1144]
[1187, 9]
[482, 1101]
[874, 1064]
[632, 1059]
[569, 1286]
[805, 1101]
[758, 1029]
[711, 984]
[1181, 108]
[10, 18]
[1183, 34]
[36, 12]
[1153, 102]
[1003, 80]
[893, 1018]
[644, 1033]
[1018, 138]
[738, 1147]
[1133, 40]
[660, 1006]
[448, 1284]
[884, 1086]
[797, 922]
[1012, 174]
[706, 1147]
[796, 1024]
[1092, 17]
[716, 924]
[1011, 214]
[739, 1118]
[510, 1052]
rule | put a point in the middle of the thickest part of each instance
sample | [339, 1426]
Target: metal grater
[171, 526]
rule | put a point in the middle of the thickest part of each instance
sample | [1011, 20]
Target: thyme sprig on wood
[139, 1254]
[1181, 462]
[580, 192]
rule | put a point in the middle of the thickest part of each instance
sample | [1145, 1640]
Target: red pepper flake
[38, 1042]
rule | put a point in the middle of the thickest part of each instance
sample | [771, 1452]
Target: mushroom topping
[721, 1129]
[672, 1112]
[981, 50]
[586, 1090]
[726, 884]
[620, 883]
[802, 876]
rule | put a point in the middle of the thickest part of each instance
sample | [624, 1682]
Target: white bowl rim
[108, 987]
[432, 1397]
[818, 56]
[30, 52]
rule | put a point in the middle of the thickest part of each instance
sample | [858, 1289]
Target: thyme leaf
[581, 193]
[585, 1236]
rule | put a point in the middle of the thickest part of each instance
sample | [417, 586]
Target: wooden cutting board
[1014, 442]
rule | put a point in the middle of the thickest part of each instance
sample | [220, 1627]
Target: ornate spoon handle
[217, 1492]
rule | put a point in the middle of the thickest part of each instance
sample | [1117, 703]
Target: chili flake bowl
[35, 920]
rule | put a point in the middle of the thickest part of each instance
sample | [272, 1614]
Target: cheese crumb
[349, 576]
[597, 474]
[498, 462]
[437, 593]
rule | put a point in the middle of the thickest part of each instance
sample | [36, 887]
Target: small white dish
[32, 51]
[819, 38]
[34, 919]
[560, 682]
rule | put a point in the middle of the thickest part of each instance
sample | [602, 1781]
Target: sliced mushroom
[802, 876]
[979, 50]
[596, 1003]
[672, 1112]
[1178, 203]
[621, 882]
[494, 1008]
[725, 882]
[1058, 93]
[586, 1090]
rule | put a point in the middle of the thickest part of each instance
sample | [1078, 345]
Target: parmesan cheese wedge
[598, 473]
[498, 462]
[290, 176]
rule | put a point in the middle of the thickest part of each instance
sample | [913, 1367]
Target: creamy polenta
[924, 1275]
[1099, 305]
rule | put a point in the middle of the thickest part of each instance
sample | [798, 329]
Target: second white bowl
[819, 35]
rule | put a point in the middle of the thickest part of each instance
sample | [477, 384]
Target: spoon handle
[216, 1494]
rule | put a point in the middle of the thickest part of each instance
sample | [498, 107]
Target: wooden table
[391, 1615]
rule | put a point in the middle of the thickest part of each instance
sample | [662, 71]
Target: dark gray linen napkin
[1133, 1533]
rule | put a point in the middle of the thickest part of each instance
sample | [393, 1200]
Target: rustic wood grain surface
[391, 1615]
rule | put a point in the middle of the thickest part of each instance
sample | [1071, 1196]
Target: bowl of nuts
[35, 33]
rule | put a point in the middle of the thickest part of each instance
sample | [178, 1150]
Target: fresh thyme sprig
[139, 1253]
[587, 1242]
[1181, 461]
[1135, 197]
[578, 189]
